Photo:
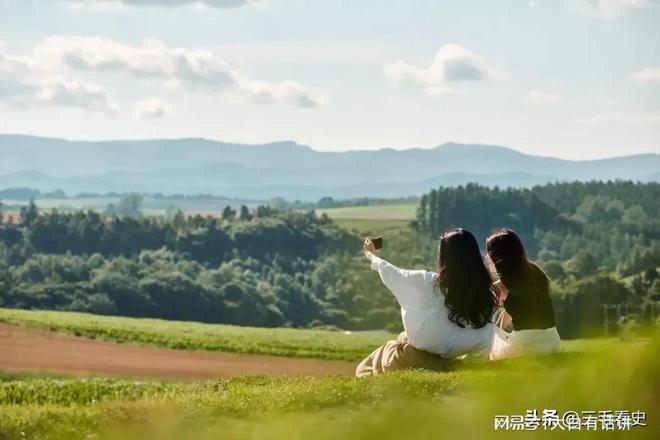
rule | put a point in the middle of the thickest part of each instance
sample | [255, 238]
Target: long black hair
[516, 271]
[464, 279]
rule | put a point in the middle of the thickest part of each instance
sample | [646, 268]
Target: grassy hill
[318, 344]
[458, 404]
[288, 342]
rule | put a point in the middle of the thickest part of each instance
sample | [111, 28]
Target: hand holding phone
[373, 243]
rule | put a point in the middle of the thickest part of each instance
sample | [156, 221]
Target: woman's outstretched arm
[410, 287]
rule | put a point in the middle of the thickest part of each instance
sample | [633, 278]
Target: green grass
[372, 220]
[319, 344]
[62, 391]
[380, 212]
[373, 226]
[298, 343]
[411, 405]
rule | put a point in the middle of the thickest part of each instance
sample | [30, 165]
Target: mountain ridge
[198, 165]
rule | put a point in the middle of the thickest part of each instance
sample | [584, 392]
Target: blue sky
[575, 78]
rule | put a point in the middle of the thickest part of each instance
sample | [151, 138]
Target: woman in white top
[445, 314]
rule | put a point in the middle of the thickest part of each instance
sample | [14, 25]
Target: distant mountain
[286, 168]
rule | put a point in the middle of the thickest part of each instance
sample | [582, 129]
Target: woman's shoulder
[430, 276]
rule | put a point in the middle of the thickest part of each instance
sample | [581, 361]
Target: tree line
[599, 241]
[265, 267]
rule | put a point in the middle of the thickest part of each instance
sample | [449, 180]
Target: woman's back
[425, 315]
[530, 310]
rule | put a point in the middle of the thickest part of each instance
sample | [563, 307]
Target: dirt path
[24, 349]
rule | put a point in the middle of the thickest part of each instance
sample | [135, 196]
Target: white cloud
[294, 93]
[152, 59]
[540, 97]
[114, 5]
[23, 85]
[607, 9]
[150, 108]
[647, 75]
[16, 89]
[192, 69]
[77, 93]
[451, 64]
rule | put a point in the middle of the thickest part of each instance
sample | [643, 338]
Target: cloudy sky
[573, 78]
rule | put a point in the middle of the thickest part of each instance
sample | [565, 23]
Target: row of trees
[267, 268]
[600, 242]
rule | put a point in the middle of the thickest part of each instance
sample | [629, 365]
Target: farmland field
[372, 220]
[317, 344]
[458, 404]
[383, 212]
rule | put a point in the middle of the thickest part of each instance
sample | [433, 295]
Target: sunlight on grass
[413, 404]
[319, 344]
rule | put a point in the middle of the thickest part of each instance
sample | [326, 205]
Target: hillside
[285, 168]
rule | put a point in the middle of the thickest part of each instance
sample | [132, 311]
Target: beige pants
[398, 354]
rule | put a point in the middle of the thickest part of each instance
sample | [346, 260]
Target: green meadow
[372, 220]
[298, 343]
[589, 375]
[384, 212]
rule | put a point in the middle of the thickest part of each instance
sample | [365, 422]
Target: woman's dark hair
[516, 272]
[464, 279]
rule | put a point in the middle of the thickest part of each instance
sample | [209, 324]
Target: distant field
[372, 220]
[372, 227]
[375, 212]
[318, 344]
[151, 206]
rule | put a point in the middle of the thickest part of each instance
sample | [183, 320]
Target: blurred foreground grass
[611, 375]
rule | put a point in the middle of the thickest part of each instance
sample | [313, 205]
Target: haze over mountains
[286, 169]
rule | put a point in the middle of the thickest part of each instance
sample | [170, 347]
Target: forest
[599, 242]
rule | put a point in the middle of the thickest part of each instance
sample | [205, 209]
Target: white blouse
[425, 316]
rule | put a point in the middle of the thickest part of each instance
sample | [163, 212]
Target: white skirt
[523, 342]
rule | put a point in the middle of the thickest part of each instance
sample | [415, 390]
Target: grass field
[372, 220]
[383, 212]
[412, 405]
[590, 375]
[316, 344]
[297, 343]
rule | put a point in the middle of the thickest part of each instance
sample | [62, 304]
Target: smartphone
[377, 241]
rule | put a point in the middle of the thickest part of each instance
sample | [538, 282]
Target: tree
[582, 264]
[600, 208]
[326, 202]
[264, 211]
[29, 214]
[245, 215]
[422, 216]
[228, 213]
[554, 270]
[129, 206]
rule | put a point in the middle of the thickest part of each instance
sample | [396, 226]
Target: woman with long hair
[445, 314]
[524, 290]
